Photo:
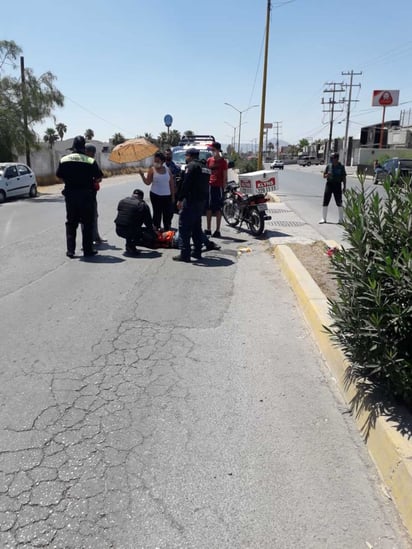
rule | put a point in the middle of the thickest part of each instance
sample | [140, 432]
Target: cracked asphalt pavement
[151, 404]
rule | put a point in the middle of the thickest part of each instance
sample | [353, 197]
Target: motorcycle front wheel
[256, 222]
[231, 212]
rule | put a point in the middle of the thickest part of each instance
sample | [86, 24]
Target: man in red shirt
[217, 182]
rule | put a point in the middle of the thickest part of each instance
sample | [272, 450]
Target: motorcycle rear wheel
[256, 222]
[231, 213]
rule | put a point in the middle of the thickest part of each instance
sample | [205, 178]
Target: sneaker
[180, 258]
[70, 254]
[217, 234]
[196, 255]
[322, 221]
[208, 233]
[90, 254]
[100, 241]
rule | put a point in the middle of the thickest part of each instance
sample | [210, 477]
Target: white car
[16, 180]
[277, 165]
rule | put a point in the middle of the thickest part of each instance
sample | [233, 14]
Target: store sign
[385, 98]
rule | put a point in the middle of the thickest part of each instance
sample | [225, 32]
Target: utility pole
[277, 130]
[263, 104]
[350, 100]
[336, 87]
[24, 107]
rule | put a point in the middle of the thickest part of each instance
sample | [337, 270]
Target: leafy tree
[61, 129]
[89, 134]
[189, 133]
[35, 101]
[9, 51]
[50, 137]
[303, 143]
[117, 139]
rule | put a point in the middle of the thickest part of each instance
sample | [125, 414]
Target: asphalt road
[150, 404]
[301, 188]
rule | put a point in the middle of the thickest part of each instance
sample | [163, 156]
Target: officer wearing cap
[79, 173]
[191, 201]
[132, 214]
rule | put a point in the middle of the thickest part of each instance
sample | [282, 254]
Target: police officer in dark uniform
[192, 197]
[132, 214]
[79, 173]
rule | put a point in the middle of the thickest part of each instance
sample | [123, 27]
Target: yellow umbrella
[132, 150]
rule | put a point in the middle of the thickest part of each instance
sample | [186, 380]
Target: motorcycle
[239, 208]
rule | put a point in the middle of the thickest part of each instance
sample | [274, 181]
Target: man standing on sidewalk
[335, 175]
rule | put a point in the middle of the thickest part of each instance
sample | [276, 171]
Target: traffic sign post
[168, 120]
[384, 98]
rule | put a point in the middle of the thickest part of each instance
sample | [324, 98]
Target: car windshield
[179, 157]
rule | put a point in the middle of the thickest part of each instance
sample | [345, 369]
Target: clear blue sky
[123, 65]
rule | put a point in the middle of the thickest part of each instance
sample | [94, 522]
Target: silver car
[16, 179]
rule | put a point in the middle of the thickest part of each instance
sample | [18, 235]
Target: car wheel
[2, 197]
[33, 191]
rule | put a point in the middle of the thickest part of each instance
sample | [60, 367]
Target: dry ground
[316, 261]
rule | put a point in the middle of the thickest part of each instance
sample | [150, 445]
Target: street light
[234, 134]
[240, 121]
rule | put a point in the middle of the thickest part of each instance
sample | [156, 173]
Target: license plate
[262, 207]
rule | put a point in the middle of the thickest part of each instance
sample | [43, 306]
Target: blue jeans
[190, 225]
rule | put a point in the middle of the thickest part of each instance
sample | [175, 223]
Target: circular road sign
[168, 120]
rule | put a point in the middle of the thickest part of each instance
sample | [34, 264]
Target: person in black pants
[79, 172]
[191, 203]
[335, 175]
[132, 214]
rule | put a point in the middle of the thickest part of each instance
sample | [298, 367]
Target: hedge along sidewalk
[390, 450]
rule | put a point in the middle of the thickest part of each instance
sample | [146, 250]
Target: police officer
[132, 213]
[79, 173]
[191, 202]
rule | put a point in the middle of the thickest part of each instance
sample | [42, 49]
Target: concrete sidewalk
[390, 449]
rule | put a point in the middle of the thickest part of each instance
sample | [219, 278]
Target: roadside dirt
[316, 261]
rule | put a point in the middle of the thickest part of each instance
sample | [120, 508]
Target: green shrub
[372, 316]
[246, 165]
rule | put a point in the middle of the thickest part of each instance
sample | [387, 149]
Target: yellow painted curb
[391, 452]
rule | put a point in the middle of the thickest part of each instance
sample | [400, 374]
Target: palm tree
[174, 138]
[61, 129]
[117, 139]
[189, 133]
[50, 137]
[89, 134]
[163, 139]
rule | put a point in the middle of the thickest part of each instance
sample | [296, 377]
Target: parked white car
[16, 180]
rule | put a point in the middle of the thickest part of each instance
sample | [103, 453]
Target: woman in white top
[162, 192]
